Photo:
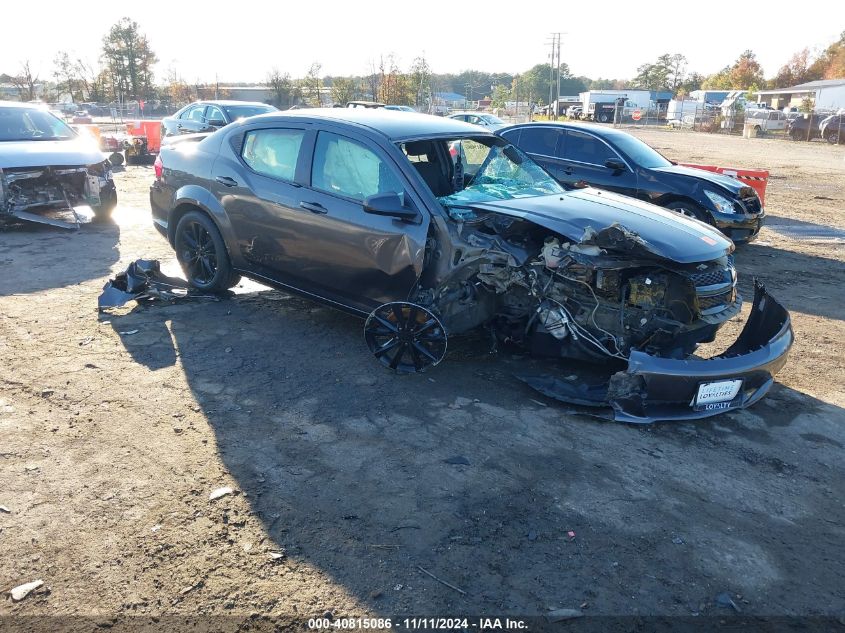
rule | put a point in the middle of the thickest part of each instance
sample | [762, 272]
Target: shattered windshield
[25, 124]
[494, 171]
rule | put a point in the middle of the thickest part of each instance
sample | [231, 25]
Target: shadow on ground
[466, 473]
[63, 257]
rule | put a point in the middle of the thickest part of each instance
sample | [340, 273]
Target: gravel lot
[112, 440]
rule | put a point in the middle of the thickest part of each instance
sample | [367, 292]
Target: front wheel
[108, 202]
[833, 138]
[202, 253]
[690, 210]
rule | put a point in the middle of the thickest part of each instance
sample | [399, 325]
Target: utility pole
[554, 74]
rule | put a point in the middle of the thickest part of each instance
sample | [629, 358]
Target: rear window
[32, 124]
[241, 112]
[273, 153]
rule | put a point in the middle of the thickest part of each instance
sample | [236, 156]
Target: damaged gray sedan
[430, 228]
[47, 170]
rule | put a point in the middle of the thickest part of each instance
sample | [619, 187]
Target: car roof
[598, 130]
[22, 105]
[230, 102]
[396, 126]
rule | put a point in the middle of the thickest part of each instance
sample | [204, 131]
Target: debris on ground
[22, 591]
[558, 615]
[441, 581]
[724, 600]
[677, 540]
[143, 281]
[277, 555]
[571, 535]
[458, 460]
[5, 509]
[220, 492]
[129, 332]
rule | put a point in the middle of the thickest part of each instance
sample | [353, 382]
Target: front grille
[711, 277]
[751, 204]
[712, 301]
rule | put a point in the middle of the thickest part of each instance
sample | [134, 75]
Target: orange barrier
[150, 129]
[754, 178]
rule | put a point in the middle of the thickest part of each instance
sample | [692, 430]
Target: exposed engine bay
[50, 195]
[579, 300]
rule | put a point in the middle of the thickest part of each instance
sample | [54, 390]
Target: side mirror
[216, 122]
[391, 205]
[615, 164]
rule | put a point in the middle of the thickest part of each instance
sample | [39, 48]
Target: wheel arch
[193, 198]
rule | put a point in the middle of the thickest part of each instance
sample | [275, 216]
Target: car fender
[190, 197]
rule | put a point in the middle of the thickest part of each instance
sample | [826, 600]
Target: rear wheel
[833, 137]
[690, 210]
[202, 253]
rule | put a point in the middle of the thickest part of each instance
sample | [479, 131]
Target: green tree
[746, 72]
[343, 89]
[130, 60]
[420, 81]
[312, 85]
[501, 94]
[285, 92]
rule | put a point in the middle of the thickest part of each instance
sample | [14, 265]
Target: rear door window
[546, 141]
[350, 169]
[586, 148]
[273, 152]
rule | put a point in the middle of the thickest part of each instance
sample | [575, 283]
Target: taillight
[159, 168]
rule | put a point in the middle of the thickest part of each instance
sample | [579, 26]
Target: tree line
[125, 72]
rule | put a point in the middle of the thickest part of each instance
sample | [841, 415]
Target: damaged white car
[47, 170]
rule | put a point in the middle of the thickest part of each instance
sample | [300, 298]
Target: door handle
[314, 207]
[226, 181]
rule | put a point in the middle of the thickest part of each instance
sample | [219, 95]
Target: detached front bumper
[740, 227]
[653, 388]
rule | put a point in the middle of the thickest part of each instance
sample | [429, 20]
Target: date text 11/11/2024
[419, 623]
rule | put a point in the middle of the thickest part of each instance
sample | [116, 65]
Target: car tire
[108, 202]
[832, 138]
[202, 253]
[690, 210]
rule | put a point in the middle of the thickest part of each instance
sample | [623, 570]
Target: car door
[360, 259]
[191, 120]
[544, 144]
[214, 118]
[257, 185]
[585, 159]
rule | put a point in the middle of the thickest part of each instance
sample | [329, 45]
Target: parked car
[766, 120]
[483, 119]
[366, 211]
[399, 108]
[831, 129]
[207, 116]
[81, 117]
[46, 169]
[804, 126]
[365, 104]
[577, 154]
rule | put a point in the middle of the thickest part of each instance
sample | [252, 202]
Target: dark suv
[607, 158]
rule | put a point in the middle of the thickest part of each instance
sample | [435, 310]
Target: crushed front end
[652, 388]
[50, 194]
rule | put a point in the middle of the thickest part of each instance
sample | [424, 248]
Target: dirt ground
[116, 428]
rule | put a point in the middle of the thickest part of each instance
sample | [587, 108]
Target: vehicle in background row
[766, 120]
[804, 126]
[399, 108]
[365, 104]
[207, 116]
[831, 129]
[483, 119]
[578, 155]
[47, 169]
[368, 211]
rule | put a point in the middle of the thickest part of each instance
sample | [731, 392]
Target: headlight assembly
[722, 204]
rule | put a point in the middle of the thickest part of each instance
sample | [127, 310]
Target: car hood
[663, 233]
[73, 152]
[725, 182]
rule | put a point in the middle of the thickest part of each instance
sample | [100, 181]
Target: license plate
[719, 391]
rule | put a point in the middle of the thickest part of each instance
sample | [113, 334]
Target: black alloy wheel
[405, 337]
[690, 210]
[202, 253]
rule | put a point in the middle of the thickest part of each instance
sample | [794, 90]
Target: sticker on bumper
[717, 394]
